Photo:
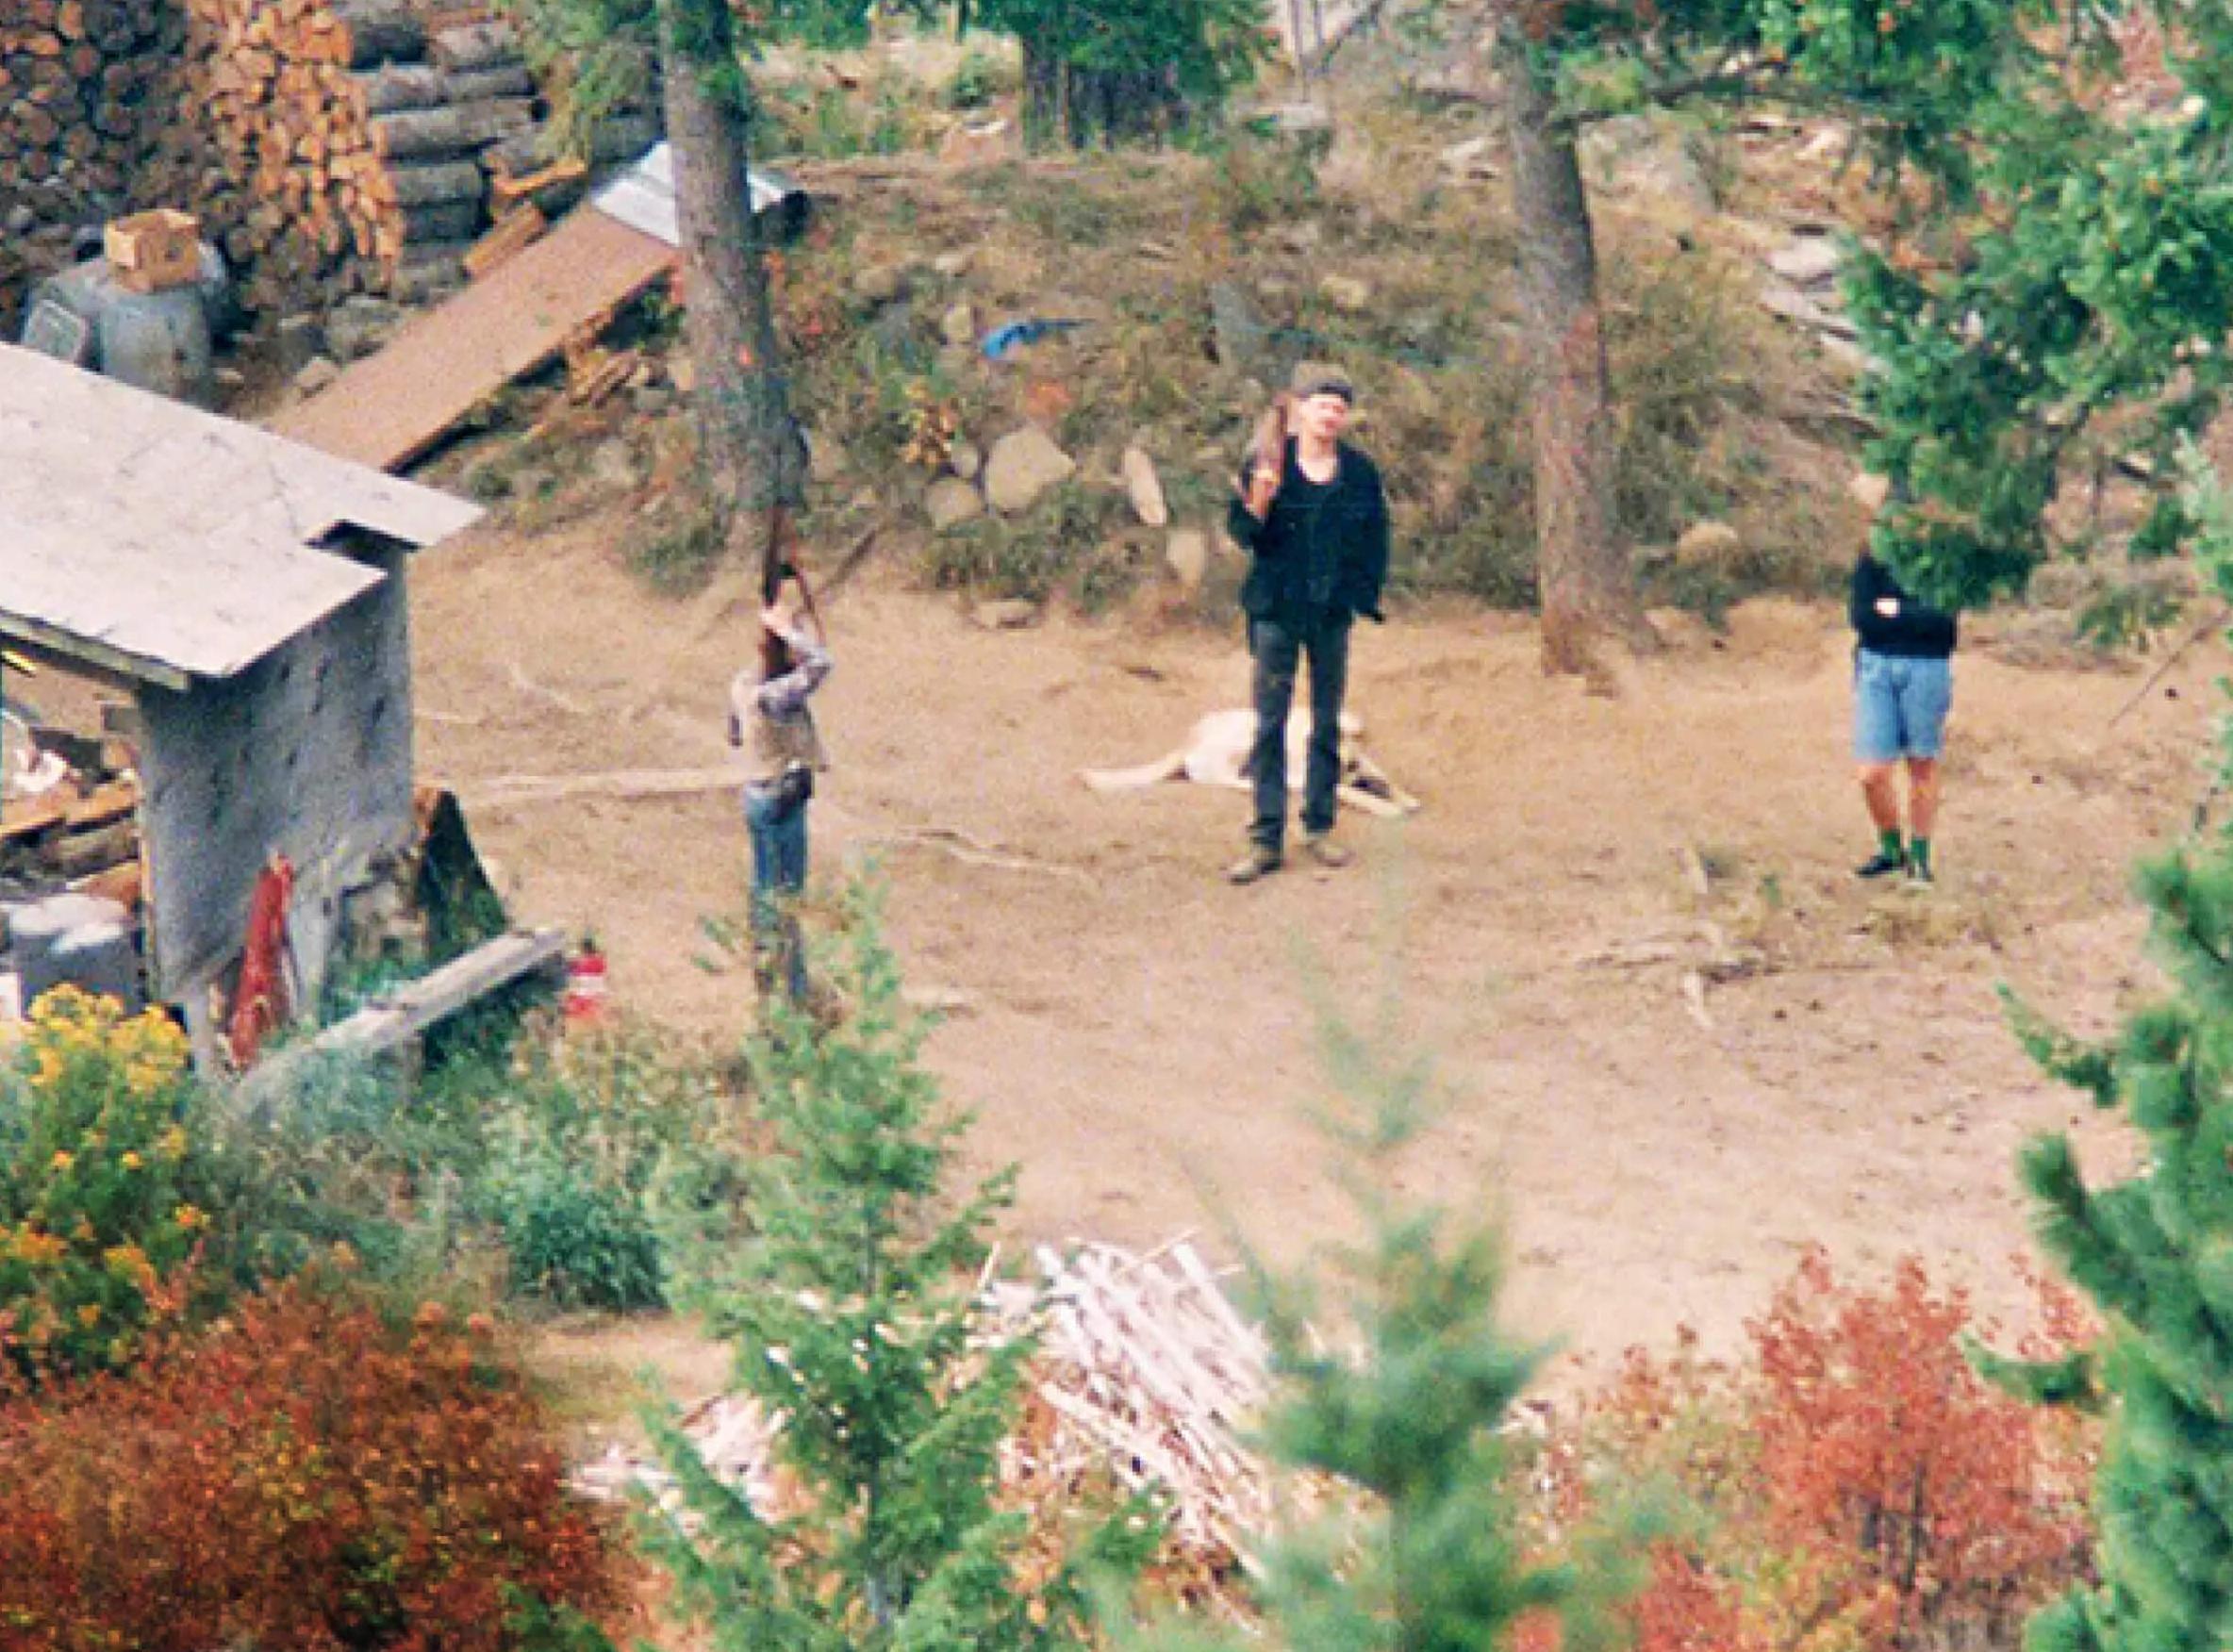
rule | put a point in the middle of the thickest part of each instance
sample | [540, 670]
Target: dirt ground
[1141, 1037]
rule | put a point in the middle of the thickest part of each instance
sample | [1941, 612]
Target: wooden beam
[83, 655]
[397, 1017]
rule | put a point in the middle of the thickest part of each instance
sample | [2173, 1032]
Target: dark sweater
[1323, 547]
[1916, 632]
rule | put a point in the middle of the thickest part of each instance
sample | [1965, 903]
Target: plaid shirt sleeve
[784, 696]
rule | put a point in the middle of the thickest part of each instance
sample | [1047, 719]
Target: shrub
[102, 1203]
[1857, 1487]
[590, 1136]
[1929, 1495]
[305, 1475]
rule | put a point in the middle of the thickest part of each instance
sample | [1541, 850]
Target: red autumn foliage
[304, 1476]
[1855, 1484]
[1883, 1452]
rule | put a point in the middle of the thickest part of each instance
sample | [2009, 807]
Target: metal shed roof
[165, 543]
[643, 196]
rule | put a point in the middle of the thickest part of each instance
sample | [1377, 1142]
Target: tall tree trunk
[751, 460]
[1587, 584]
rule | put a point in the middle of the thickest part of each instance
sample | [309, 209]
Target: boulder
[1145, 488]
[1023, 465]
[1868, 489]
[963, 459]
[1187, 554]
[612, 466]
[1347, 294]
[361, 324]
[1708, 545]
[1472, 159]
[880, 283]
[951, 502]
[1810, 260]
[298, 341]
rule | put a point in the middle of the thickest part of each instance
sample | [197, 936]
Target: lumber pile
[1145, 1375]
[82, 833]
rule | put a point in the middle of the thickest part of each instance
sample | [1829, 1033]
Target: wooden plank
[29, 817]
[118, 797]
[388, 408]
[626, 784]
[402, 1015]
[513, 233]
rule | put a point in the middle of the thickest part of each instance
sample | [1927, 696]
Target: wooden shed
[248, 593]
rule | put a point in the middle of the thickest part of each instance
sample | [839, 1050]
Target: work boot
[1260, 862]
[1322, 848]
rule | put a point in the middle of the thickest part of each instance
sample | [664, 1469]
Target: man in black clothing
[1903, 685]
[1314, 518]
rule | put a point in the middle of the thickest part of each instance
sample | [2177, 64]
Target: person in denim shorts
[1903, 684]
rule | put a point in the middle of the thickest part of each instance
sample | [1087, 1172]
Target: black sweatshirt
[1323, 547]
[1915, 633]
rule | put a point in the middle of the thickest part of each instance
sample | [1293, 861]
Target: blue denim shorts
[1899, 706]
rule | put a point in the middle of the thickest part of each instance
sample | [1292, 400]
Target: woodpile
[1145, 1375]
[356, 127]
[79, 81]
[329, 147]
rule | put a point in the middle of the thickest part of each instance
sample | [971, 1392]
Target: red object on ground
[588, 992]
[260, 1005]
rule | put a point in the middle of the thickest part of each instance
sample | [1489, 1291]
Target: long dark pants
[1279, 646]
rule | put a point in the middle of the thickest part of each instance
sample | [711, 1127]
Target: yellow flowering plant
[101, 1213]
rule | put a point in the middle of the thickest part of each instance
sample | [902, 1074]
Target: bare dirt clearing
[1141, 1036]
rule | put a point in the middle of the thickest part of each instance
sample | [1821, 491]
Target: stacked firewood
[79, 80]
[356, 127]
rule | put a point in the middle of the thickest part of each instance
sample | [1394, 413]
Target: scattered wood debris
[1145, 1375]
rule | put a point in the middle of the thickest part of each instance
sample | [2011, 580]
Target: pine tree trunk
[750, 456]
[1587, 584]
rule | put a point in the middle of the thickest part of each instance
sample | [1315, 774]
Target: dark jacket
[1916, 632]
[1322, 549]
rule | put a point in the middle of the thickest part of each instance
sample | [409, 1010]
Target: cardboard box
[153, 251]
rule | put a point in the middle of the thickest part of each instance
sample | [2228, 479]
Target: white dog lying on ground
[1216, 754]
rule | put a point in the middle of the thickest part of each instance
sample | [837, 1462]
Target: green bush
[590, 1136]
[977, 80]
[1069, 543]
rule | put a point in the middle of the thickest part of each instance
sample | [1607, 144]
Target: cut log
[443, 220]
[402, 86]
[440, 181]
[377, 31]
[483, 45]
[482, 85]
[455, 129]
